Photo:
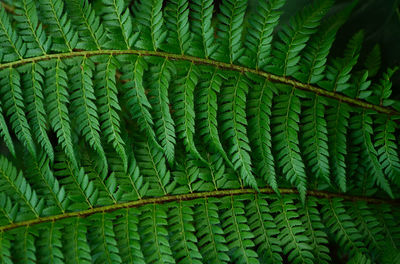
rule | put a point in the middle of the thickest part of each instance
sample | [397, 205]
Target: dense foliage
[185, 131]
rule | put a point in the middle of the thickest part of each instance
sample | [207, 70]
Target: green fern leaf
[76, 247]
[109, 108]
[234, 123]
[24, 250]
[84, 108]
[36, 114]
[49, 243]
[64, 36]
[230, 26]
[259, 35]
[5, 133]
[285, 129]
[7, 209]
[31, 31]
[5, 248]
[202, 31]
[14, 105]
[12, 47]
[259, 113]
[176, 15]
[160, 77]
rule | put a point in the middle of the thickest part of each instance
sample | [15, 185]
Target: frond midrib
[227, 66]
[192, 196]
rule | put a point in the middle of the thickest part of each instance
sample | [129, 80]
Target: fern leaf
[156, 248]
[214, 173]
[76, 248]
[386, 219]
[202, 31]
[137, 102]
[386, 148]
[238, 232]
[5, 248]
[362, 124]
[107, 101]
[92, 35]
[84, 108]
[230, 27]
[54, 15]
[176, 15]
[264, 228]
[367, 224]
[49, 243]
[373, 61]
[5, 133]
[259, 33]
[212, 243]
[182, 238]
[81, 191]
[36, 114]
[47, 185]
[259, 114]
[285, 129]
[102, 239]
[315, 137]
[14, 105]
[315, 230]
[24, 250]
[7, 209]
[30, 29]
[127, 236]
[383, 89]
[57, 99]
[12, 46]
[118, 24]
[206, 108]
[293, 37]
[152, 165]
[233, 117]
[158, 97]
[183, 106]
[151, 24]
[341, 226]
[186, 175]
[294, 242]
[337, 119]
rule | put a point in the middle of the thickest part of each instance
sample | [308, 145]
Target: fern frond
[211, 237]
[14, 105]
[14, 184]
[57, 100]
[151, 24]
[127, 236]
[315, 137]
[286, 112]
[373, 61]
[259, 33]
[234, 123]
[154, 235]
[362, 124]
[5, 133]
[230, 27]
[118, 25]
[109, 108]
[295, 244]
[31, 30]
[92, 35]
[176, 15]
[182, 238]
[341, 226]
[102, 241]
[49, 243]
[36, 114]
[259, 113]
[206, 108]
[5, 248]
[160, 77]
[183, 106]
[7, 209]
[54, 15]
[76, 248]
[12, 46]
[186, 175]
[202, 31]
[24, 250]
[293, 37]
[238, 232]
[262, 225]
[83, 105]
